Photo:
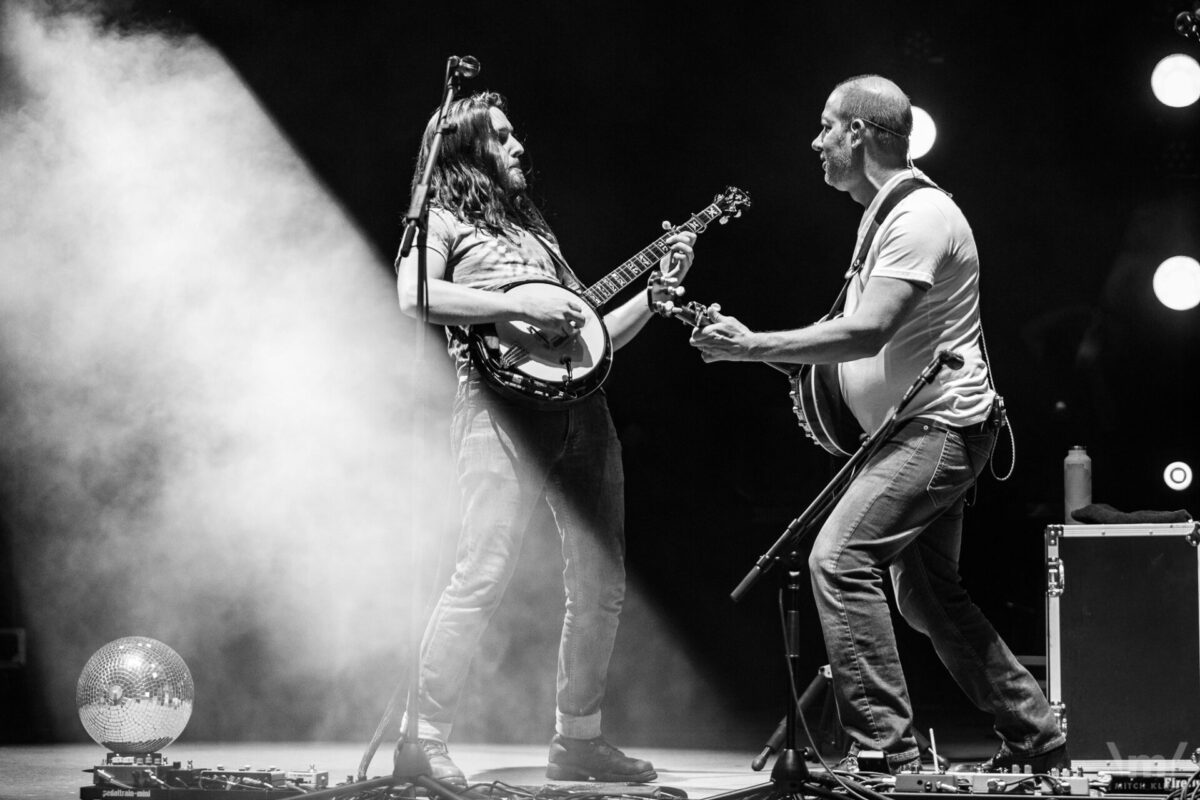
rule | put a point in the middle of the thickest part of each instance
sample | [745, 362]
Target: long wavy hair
[467, 179]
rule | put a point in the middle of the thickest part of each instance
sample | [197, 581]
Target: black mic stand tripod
[790, 776]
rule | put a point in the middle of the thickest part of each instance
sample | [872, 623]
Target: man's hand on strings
[724, 339]
[562, 316]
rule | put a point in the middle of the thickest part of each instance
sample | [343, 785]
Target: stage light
[1177, 476]
[1176, 80]
[924, 133]
[1177, 283]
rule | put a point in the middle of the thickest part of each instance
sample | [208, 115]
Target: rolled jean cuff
[432, 731]
[1058, 741]
[577, 727]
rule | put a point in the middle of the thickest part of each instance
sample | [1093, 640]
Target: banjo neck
[603, 290]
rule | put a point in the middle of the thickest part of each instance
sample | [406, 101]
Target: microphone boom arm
[456, 68]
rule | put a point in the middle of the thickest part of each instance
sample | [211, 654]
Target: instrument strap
[565, 273]
[898, 193]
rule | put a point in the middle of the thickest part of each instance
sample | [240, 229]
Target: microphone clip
[464, 67]
[1187, 24]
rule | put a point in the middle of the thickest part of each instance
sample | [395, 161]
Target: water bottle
[1077, 482]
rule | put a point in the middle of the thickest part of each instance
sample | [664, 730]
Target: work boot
[441, 768]
[594, 760]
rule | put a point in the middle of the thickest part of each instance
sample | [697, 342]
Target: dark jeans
[903, 515]
[510, 459]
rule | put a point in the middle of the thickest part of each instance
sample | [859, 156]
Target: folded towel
[1104, 514]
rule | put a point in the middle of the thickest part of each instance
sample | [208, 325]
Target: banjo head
[546, 367]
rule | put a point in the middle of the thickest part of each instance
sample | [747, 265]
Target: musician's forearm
[626, 320]
[822, 343]
[452, 304]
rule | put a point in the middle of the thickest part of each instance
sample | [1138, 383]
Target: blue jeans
[510, 459]
[903, 515]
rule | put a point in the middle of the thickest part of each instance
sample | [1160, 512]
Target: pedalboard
[990, 783]
[154, 779]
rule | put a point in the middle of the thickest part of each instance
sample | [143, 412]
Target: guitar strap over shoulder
[565, 273]
[898, 193]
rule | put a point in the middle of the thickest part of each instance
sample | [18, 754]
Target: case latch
[1056, 577]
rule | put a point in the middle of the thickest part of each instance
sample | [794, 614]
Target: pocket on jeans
[953, 473]
[979, 449]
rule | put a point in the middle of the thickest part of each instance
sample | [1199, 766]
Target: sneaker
[441, 768]
[876, 763]
[594, 760]
[906, 767]
[849, 763]
[1004, 760]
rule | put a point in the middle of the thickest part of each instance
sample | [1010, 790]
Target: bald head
[882, 106]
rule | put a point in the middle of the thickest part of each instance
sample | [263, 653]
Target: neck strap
[898, 193]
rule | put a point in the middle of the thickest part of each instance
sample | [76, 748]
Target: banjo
[526, 363]
[816, 391]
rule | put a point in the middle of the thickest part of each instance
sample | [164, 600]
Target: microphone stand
[418, 207]
[410, 764]
[790, 775]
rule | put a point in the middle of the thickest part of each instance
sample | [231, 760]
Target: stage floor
[56, 772]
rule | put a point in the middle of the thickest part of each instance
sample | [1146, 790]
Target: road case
[1123, 643]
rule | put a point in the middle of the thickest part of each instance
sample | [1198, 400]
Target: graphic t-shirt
[477, 258]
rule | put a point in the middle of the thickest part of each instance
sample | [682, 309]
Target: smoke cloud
[204, 396]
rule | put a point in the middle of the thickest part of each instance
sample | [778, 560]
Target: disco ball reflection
[135, 695]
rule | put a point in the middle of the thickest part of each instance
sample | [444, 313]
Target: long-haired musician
[483, 234]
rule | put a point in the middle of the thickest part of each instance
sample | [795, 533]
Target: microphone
[950, 359]
[465, 67]
[942, 359]
[1187, 25]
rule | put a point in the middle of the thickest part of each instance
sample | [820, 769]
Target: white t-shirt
[926, 240]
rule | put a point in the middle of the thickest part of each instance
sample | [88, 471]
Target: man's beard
[514, 180]
[836, 168]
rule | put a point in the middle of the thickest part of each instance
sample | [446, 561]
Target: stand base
[790, 773]
[790, 777]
